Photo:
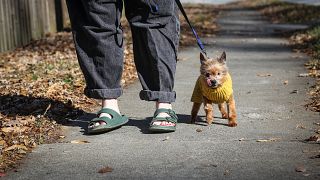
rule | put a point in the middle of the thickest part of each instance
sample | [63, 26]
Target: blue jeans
[98, 38]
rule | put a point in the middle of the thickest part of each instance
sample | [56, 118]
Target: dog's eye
[207, 74]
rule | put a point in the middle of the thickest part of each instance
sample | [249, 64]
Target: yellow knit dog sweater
[216, 95]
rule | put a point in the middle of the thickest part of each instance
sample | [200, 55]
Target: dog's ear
[203, 57]
[223, 58]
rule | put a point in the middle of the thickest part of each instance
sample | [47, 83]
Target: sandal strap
[173, 117]
[113, 113]
[115, 119]
[103, 118]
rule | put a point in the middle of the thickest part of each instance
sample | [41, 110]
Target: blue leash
[201, 46]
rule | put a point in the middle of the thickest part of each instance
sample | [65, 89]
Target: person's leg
[98, 40]
[155, 32]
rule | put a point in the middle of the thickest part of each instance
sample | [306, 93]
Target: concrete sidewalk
[267, 109]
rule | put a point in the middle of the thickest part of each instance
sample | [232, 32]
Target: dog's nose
[213, 82]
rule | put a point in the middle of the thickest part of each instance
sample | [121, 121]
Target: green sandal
[173, 119]
[117, 120]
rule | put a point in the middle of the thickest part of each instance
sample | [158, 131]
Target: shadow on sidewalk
[19, 105]
[13, 106]
[143, 124]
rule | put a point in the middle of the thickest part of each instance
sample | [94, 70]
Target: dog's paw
[232, 121]
[209, 121]
[232, 124]
[224, 115]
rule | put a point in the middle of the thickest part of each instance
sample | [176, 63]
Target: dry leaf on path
[264, 75]
[314, 138]
[16, 146]
[285, 82]
[226, 172]
[268, 140]
[79, 141]
[166, 139]
[294, 92]
[303, 75]
[300, 169]
[300, 126]
[105, 170]
[315, 157]
[199, 130]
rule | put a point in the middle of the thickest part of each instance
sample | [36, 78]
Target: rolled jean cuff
[103, 93]
[160, 96]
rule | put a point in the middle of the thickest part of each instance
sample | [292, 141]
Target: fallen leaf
[212, 165]
[303, 75]
[79, 142]
[306, 175]
[264, 74]
[226, 172]
[268, 140]
[300, 169]
[45, 112]
[315, 157]
[8, 129]
[310, 151]
[263, 140]
[16, 146]
[62, 137]
[105, 170]
[296, 56]
[21, 151]
[294, 92]
[2, 142]
[314, 138]
[199, 130]
[285, 82]
[317, 124]
[166, 139]
[300, 126]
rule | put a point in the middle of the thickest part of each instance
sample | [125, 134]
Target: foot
[224, 115]
[164, 120]
[232, 121]
[163, 115]
[106, 103]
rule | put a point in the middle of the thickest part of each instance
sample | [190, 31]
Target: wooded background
[22, 21]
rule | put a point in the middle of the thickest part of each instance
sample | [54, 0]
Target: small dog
[214, 85]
